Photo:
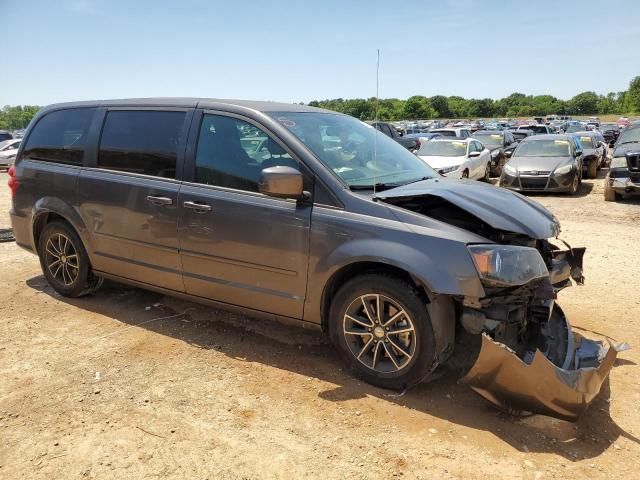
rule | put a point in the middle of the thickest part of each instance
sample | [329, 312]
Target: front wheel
[487, 173]
[380, 326]
[592, 169]
[575, 184]
[65, 262]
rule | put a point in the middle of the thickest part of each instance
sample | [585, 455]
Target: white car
[457, 157]
[8, 150]
[452, 132]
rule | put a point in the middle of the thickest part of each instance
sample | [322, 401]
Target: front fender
[442, 265]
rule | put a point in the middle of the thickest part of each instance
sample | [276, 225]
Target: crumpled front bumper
[541, 387]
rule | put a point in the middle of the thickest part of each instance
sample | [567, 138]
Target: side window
[479, 146]
[60, 136]
[141, 141]
[231, 153]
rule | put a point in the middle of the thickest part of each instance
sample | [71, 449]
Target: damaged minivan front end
[529, 360]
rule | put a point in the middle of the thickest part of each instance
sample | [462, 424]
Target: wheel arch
[49, 209]
[440, 307]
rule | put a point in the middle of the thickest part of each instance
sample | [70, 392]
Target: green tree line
[14, 118]
[515, 105]
[438, 106]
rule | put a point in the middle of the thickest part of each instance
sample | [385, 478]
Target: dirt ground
[132, 384]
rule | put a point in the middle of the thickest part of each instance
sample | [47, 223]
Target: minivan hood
[500, 208]
[538, 163]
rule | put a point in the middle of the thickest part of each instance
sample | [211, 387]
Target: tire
[465, 174]
[575, 185]
[64, 261]
[592, 169]
[388, 360]
[610, 194]
[487, 173]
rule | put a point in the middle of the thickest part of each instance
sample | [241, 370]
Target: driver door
[239, 246]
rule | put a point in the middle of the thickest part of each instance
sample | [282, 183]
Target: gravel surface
[132, 384]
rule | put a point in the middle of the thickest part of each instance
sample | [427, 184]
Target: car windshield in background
[608, 126]
[443, 149]
[587, 142]
[629, 135]
[519, 135]
[543, 148]
[358, 153]
[489, 140]
[574, 128]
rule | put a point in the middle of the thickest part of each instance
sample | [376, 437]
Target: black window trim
[180, 160]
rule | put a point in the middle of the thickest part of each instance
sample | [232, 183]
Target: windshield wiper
[417, 180]
[629, 141]
[376, 186]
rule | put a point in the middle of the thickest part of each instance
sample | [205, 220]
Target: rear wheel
[380, 326]
[65, 262]
[592, 168]
[487, 173]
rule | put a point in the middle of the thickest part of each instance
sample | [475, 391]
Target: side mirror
[508, 153]
[474, 154]
[281, 182]
[578, 153]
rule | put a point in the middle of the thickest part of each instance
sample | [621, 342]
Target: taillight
[13, 183]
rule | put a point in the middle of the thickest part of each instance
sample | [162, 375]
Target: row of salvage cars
[539, 163]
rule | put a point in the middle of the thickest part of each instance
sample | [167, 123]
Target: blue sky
[61, 50]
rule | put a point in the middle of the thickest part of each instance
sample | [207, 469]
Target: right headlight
[563, 170]
[444, 170]
[507, 265]
[509, 169]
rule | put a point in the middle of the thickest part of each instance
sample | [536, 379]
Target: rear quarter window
[60, 136]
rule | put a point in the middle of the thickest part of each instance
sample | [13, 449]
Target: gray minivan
[316, 218]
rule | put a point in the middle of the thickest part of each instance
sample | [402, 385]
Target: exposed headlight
[618, 162]
[448, 169]
[563, 170]
[507, 265]
[509, 169]
[495, 153]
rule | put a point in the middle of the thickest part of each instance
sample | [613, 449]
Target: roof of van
[261, 106]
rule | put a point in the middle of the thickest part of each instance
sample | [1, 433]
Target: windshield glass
[488, 139]
[356, 152]
[574, 128]
[543, 148]
[443, 149]
[629, 134]
[587, 142]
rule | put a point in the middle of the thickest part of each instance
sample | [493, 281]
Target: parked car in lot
[544, 163]
[519, 135]
[500, 144]
[537, 129]
[610, 131]
[593, 153]
[623, 177]
[453, 132]
[4, 135]
[623, 122]
[457, 158]
[390, 131]
[8, 151]
[364, 241]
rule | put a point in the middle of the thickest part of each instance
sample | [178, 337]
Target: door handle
[159, 200]
[198, 207]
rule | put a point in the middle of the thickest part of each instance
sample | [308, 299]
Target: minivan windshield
[629, 135]
[358, 153]
[543, 148]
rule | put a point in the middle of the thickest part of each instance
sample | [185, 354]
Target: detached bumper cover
[541, 387]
